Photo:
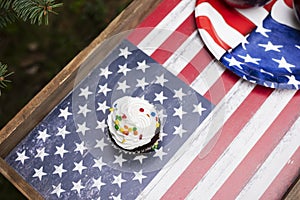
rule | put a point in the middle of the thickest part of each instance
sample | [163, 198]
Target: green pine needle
[35, 11]
[3, 76]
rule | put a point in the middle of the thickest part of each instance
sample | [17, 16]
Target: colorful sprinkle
[134, 129]
[117, 122]
[157, 124]
[142, 110]
[148, 115]
[130, 129]
[125, 126]
[135, 132]
[111, 109]
[116, 127]
[125, 132]
[153, 114]
[124, 116]
[118, 117]
[141, 136]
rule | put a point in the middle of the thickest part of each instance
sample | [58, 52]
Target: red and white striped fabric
[253, 151]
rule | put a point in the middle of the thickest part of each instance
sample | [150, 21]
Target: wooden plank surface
[49, 97]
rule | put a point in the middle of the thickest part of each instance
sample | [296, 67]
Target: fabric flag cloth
[259, 45]
[223, 137]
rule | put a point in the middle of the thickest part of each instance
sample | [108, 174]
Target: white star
[104, 89]
[77, 186]
[63, 132]
[100, 144]
[39, 173]
[123, 86]
[142, 66]
[102, 107]
[162, 134]
[85, 92]
[283, 64]
[41, 153]
[140, 158]
[101, 125]
[61, 151]
[119, 159]
[98, 183]
[123, 69]
[260, 29]
[117, 197]
[244, 42]
[248, 59]
[233, 62]
[82, 128]
[118, 180]
[83, 110]
[297, 46]
[179, 94]
[179, 112]
[43, 135]
[161, 114]
[124, 52]
[179, 130]
[159, 153]
[142, 83]
[161, 80]
[293, 81]
[64, 113]
[80, 147]
[99, 163]
[22, 157]
[59, 170]
[57, 190]
[105, 72]
[139, 176]
[79, 167]
[198, 108]
[160, 97]
[270, 47]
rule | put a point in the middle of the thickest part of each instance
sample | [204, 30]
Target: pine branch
[3, 76]
[7, 15]
[35, 11]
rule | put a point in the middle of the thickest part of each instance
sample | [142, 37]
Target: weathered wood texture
[62, 84]
[294, 192]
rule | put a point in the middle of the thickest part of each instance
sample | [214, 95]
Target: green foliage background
[37, 53]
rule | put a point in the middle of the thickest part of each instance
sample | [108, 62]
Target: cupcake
[133, 124]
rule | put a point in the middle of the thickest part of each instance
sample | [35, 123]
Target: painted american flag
[247, 147]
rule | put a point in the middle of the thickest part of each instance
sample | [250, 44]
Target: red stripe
[197, 169]
[286, 177]
[269, 5]
[221, 87]
[205, 23]
[289, 3]
[232, 17]
[190, 72]
[144, 28]
[179, 35]
[260, 152]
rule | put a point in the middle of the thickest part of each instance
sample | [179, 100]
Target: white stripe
[241, 145]
[256, 14]
[208, 77]
[284, 14]
[184, 54]
[200, 138]
[227, 33]
[273, 165]
[213, 47]
[167, 26]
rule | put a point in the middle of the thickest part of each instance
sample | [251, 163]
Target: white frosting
[132, 122]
